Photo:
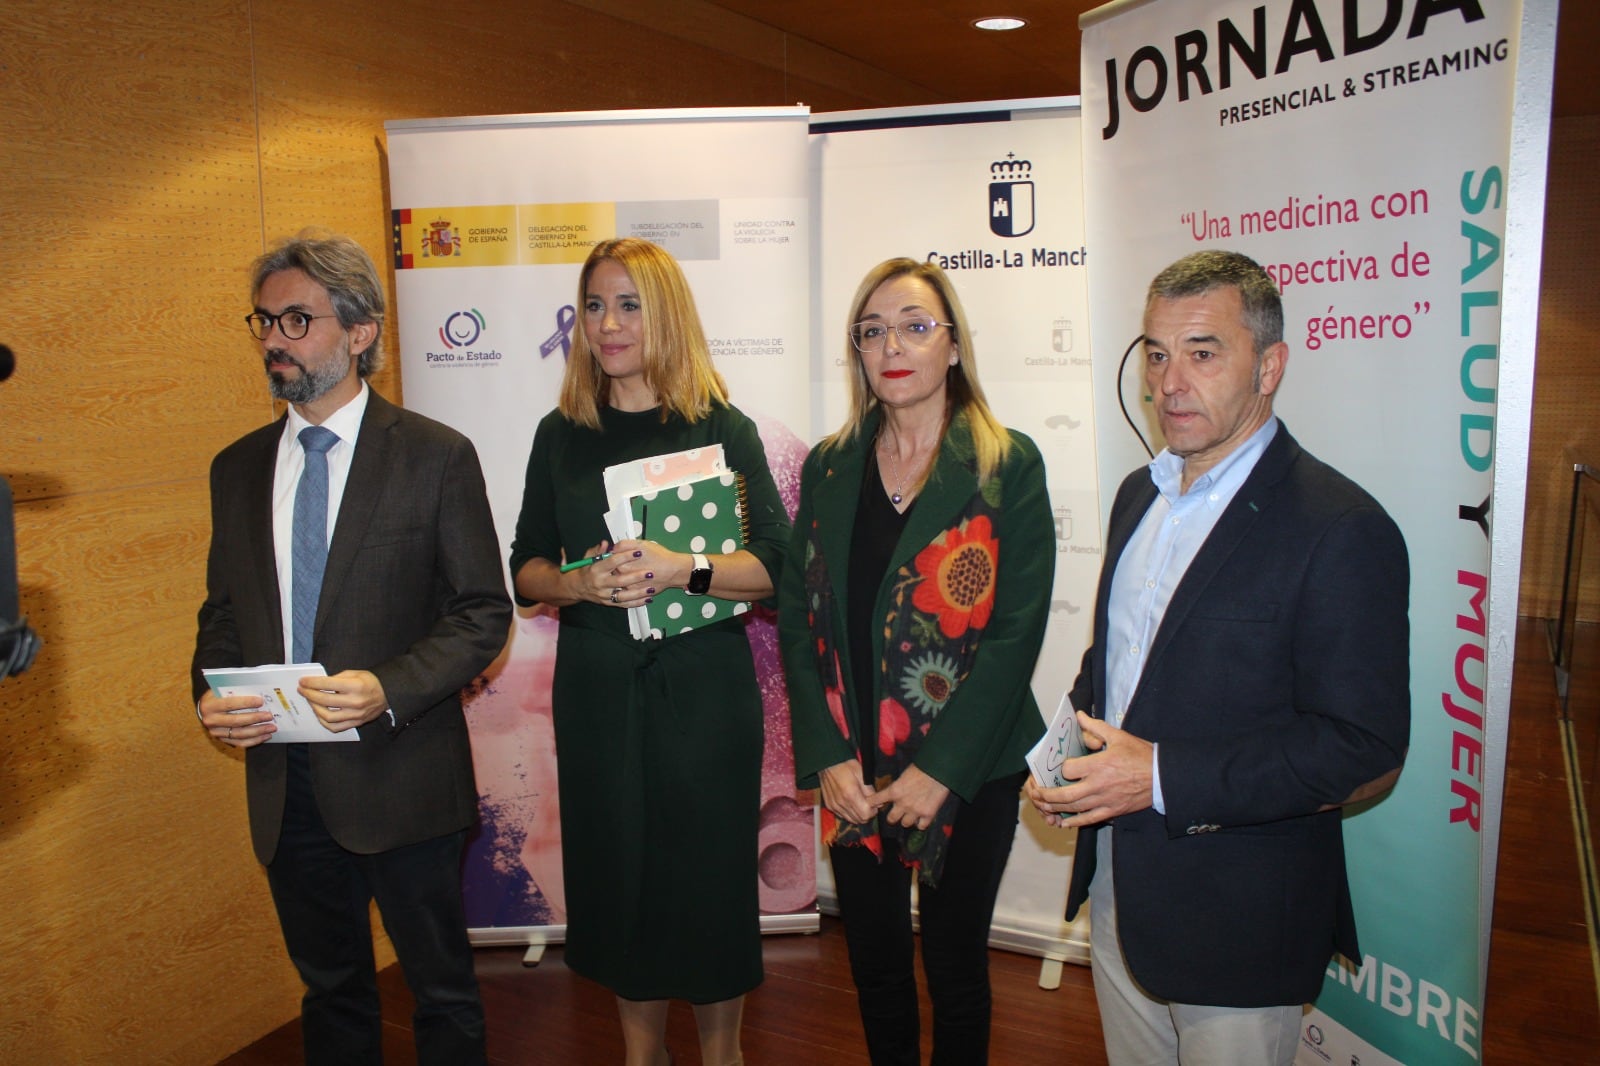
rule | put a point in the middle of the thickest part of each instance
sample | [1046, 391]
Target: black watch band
[699, 577]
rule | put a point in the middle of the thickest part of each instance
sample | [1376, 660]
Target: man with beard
[356, 535]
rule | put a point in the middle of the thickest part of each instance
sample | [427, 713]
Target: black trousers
[875, 904]
[323, 894]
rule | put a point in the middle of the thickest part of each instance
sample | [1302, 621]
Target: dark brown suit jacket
[413, 592]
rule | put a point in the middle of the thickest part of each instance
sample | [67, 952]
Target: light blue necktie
[310, 553]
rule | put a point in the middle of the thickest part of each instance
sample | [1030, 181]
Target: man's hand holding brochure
[278, 687]
[1062, 740]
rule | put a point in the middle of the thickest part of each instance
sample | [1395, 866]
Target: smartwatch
[699, 577]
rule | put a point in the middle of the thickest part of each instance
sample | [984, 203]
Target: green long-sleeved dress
[658, 742]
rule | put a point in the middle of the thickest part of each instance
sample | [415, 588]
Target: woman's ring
[230, 732]
[614, 594]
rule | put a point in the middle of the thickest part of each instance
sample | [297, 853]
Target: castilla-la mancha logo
[1011, 196]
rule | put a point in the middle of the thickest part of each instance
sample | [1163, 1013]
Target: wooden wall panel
[129, 172]
[150, 151]
[811, 74]
[128, 165]
[137, 920]
[1566, 394]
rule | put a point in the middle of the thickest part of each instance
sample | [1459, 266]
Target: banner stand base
[537, 937]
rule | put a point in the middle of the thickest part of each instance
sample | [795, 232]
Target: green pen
[581, 563]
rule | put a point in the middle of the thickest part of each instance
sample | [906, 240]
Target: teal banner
[1359, 151]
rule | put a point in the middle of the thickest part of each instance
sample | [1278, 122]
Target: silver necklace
[894, 471]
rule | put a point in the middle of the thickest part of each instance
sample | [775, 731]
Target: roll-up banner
[1361, 152]
[492, 220]
[992, 192]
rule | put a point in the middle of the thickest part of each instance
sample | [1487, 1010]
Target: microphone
[18, 642]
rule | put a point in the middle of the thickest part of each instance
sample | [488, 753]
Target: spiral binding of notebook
[742, 496]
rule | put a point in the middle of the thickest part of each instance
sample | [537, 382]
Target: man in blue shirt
[1249, 676]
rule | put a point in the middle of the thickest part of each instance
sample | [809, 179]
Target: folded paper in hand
[279, 689]
[1063, 740]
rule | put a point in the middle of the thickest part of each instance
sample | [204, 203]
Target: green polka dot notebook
[706, 515]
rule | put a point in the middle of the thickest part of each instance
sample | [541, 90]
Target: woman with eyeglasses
[912, 607]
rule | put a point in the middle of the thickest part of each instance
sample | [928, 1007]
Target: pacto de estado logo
[462, 328]
[462, 334]
[1011, 196]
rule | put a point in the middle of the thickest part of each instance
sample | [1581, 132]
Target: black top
[877, 530]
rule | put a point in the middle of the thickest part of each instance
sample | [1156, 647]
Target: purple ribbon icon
[563, 334]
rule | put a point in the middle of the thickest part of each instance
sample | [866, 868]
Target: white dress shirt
[1155, 560]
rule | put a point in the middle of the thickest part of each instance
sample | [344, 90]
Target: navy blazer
[413, 592]
[1276, 685]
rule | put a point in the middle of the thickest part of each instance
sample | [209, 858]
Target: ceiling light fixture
[1000, 23]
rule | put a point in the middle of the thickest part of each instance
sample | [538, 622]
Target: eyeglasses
[292, 324]
[913, 333]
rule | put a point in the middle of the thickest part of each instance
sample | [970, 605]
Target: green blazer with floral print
[985, 724]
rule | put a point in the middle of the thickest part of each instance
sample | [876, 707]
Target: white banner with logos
[992, 192]
[1359, 150]
[493, 218]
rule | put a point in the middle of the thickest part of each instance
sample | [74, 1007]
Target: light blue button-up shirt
[1155, 560]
